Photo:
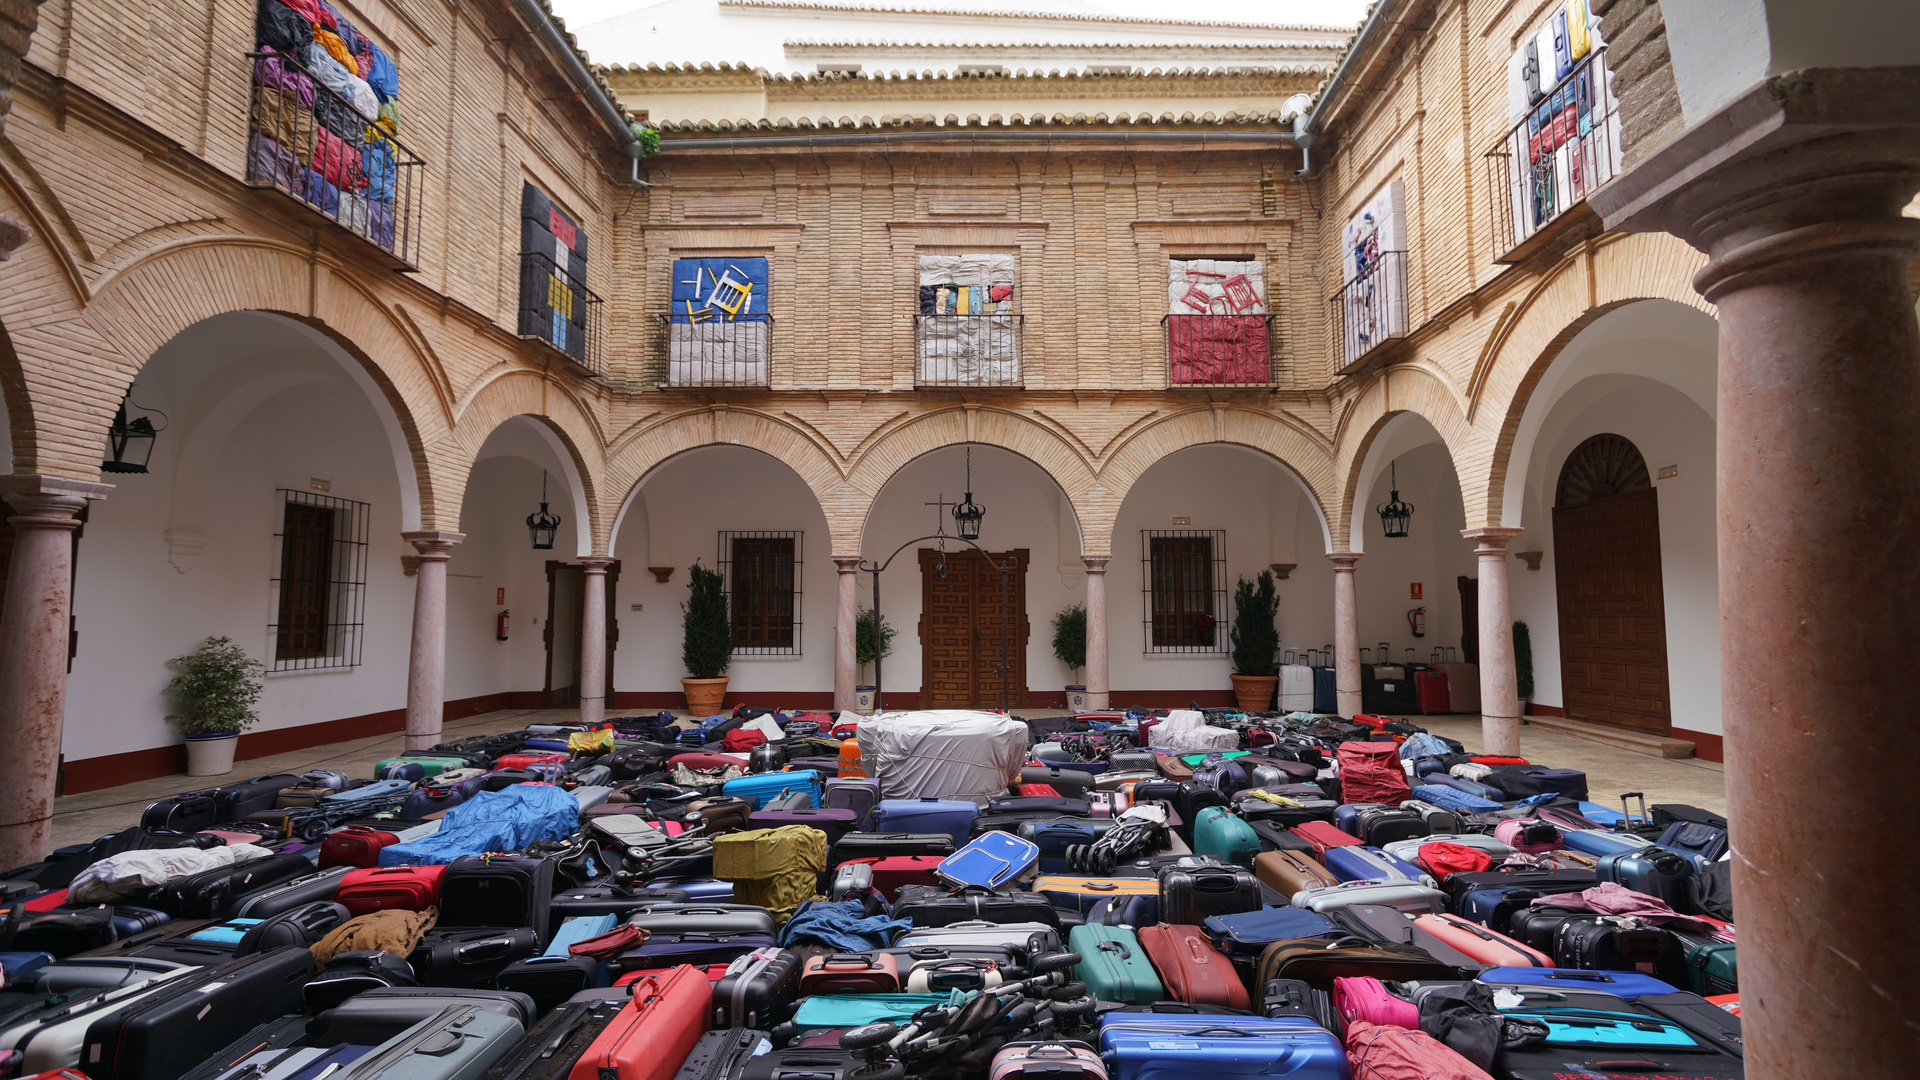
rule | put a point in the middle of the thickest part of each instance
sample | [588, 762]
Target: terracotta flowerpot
[211, 755]
[704, 695]
[1253, 692]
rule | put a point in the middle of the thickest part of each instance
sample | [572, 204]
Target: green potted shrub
[1256, 642]
[1070, 648]
[864, 654]
[1523, 663]
[214, 693]
[706, 645]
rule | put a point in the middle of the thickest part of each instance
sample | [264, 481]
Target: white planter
[863, 699]
[211, 755]
[1077, 698]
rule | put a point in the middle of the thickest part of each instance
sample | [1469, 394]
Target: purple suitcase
[835, 823]
[856, 793]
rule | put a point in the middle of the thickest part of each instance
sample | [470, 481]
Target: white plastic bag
[1185, 731]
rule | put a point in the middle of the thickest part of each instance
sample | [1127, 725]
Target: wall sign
[1419, 591]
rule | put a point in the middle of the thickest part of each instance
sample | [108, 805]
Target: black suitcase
[1378, 825]
[306, 889]
[1152, 866]
[550, 980]
[722, 1055]
[1191, 895]
[1070, 783]
[1010, 962]
[867, 845]
[303, 926]
[1612, 943]
[373, 1017]
[931, 905]
[233, 802]
[466, 956]
[501, 779]
[1292, 997]
[761, 994]
[1050, 805]
[187, 812]
[64, 933]
[217, 893]
[1277, 836]
[554, 1045]
[165, 1035]
[356, 971]
[497, 890]
[185, 950]
[606, 900]
[810, 1062]
[286, 1033]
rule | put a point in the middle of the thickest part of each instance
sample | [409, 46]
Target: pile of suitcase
[1155, 895]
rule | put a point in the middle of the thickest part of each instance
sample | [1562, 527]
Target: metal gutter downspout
[609, 110]
[1380, 16]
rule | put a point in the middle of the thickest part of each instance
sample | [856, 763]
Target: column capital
[847, 564]
[596, 564]
[47, 502]
[1491, 540]
[1343, 561]
[432, 545]
[1096, 564]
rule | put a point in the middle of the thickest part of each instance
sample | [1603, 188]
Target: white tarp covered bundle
[717, 353]
[968, 333]
[1185, 731]
[942, 753]
[131, 873]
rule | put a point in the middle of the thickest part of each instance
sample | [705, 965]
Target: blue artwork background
[704, 271]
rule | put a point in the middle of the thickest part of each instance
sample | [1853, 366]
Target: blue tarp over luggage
[504, 820]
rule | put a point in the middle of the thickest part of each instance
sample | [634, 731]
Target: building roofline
[1059, 16]
[1019, 75]
[809, 43]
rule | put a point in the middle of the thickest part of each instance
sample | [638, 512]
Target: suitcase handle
[848, 958]
[1117, 947]
[482, 950]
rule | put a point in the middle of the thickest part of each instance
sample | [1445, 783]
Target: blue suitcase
[1354, 863]
[1655, 871]
[1326, 698]
[1244, 934]
[1139, 1046]
[1622, 984]
[1468, 787]
[1453, 798]
[1597, 843]
[1053, 838]
[951, 816]
[760, 787]
[995, 860]
[379, 789]
[698, 890]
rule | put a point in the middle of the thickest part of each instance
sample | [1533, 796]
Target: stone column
[427, 662]
[1795, 192]
[1499, 684]
[34, 631]
[1098, 687]
[593, 639]
[846, 665]
[1346, 632]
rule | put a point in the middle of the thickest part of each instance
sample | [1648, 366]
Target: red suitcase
[890, 874]
[1484, 945]
[1375, 722]
[1039, 789]
[652, 1034]
[521, 761]
[714, 973]
[411, 888]
[1431, 686]
[1323, 835]
[1190, 967]
[851, 973]
[355, 845]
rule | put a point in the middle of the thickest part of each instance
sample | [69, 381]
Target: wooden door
[961, 639]
[1469, 618]
[1613, 625]
[566, 589]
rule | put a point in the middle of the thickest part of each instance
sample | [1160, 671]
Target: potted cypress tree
[1523, 663]
[1256, 642]
[866, 695]
[215, 693]
[706, 646]
[1070, 648]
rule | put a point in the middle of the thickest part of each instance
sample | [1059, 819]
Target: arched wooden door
[1613, 616]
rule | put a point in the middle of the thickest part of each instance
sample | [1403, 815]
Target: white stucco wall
[1721, 48]
[1433, 553]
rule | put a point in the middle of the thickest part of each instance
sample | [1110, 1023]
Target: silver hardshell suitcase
[1409, 849]
[1031, 937]
[1407, 896]
[52, 1037]
[458, 1044]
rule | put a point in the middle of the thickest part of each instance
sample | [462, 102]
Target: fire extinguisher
[1417, 619]
[500, 626]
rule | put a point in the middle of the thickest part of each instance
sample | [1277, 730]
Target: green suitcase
[416, 769]
[1218, 831]
[1713, 969]
[1114, 966]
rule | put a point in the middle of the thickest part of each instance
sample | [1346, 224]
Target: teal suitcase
[1114, 966]
[1218, 831]
[824, 1012]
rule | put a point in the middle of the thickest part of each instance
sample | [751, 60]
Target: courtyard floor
[1610, 770]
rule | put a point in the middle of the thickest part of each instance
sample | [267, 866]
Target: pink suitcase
[1484, 945]
[1057, 1059]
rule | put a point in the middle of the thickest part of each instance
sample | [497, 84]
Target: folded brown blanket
[394, 931]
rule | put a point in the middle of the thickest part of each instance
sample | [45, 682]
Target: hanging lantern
[129, 443]
[1394, 514]
[545, 523]
[966, 513]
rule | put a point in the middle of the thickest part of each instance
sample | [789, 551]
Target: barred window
[761, 574]
[321, 588]
[1186, 591]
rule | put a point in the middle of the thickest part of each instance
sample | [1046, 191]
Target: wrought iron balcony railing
[1370, 310]
[310, 143]
[967, 350]
[1561, 152]
[715, 350]
[1219, 350]
[558, 309]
